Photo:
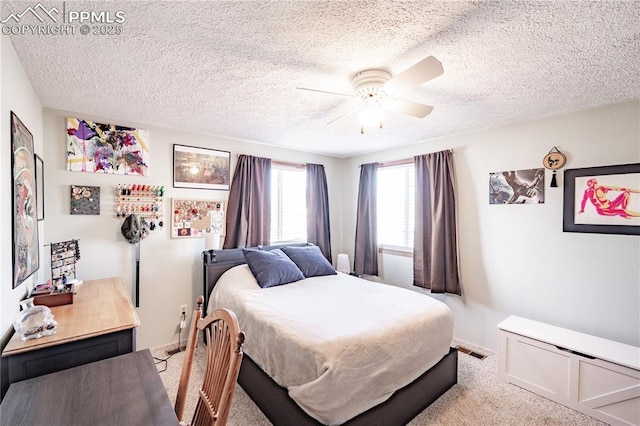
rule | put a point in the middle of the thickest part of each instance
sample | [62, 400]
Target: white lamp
[212, 241]
[343, 264]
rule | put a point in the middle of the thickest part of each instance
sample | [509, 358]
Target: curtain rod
[289, 164]
[396, 162]
[285, 163]
[402, 161]
[393, 163]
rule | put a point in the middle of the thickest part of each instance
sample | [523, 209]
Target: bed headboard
[217, 262]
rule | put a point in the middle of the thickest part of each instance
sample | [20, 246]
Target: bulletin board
[85, 200]
[196, 218]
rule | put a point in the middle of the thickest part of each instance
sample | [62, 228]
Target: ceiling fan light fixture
[376, 88]
[371, 116]
[368, 85]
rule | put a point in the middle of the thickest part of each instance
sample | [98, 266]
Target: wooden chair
[224, 355]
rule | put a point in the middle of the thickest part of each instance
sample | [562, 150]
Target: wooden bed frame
[274, 401]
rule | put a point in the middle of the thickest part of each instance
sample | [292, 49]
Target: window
[288, 204]
[396, 202]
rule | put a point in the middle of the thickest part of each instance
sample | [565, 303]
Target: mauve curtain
[366, 250]
[249, 204]
[435, 252]
[318, 229]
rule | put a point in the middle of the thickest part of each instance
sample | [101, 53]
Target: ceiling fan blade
[410, 108]
[325, 92]
[421, 72]
[345, 114]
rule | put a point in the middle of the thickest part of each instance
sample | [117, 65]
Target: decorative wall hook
[554, 161]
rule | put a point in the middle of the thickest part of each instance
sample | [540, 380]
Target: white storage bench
[598, 377]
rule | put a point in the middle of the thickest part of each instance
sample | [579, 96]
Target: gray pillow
[271, 268]
[310, 260]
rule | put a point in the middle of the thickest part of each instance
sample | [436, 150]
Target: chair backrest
[224, 355]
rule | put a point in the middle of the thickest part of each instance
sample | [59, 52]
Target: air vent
[470, 352]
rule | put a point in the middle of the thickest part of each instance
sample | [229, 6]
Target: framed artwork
[40, 186]
[106, 148]
[200, 168]
[517, 187]
[603, 200]
[26, 259]
[196, 218]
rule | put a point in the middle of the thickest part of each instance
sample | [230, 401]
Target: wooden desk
[99, 324]
[125, 390]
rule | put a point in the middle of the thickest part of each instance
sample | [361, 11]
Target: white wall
[170, 269]
[18, 96]
[515, 259]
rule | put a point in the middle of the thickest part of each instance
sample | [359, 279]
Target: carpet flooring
[478, 399]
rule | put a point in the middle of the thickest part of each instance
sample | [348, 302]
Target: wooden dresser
[101, 323]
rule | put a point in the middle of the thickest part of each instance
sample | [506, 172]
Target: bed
[302, 369]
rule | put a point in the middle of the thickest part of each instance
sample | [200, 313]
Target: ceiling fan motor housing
[368, 85]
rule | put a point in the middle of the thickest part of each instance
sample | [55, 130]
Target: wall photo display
[201, 168]
[603, 200]
[517, 187]
[196, 218]
[26, 258]
[106, 148]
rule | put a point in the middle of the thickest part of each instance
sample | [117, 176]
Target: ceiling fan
[376, 88]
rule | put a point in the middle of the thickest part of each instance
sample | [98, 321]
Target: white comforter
[338, 343]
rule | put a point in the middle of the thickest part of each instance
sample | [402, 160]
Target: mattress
[339, 344]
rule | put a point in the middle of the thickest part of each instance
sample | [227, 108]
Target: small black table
[124, 390]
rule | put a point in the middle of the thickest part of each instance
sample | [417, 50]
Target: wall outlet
[183, 311]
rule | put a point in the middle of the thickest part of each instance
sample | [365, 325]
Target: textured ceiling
[231, 68]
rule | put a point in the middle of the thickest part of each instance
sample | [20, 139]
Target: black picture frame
[583, 191]
[26, 245]
[201, 168]
[40, 186]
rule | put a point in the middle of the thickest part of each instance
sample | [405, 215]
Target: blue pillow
[310, 260]
[272, 268]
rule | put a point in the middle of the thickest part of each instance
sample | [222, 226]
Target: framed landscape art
[200, 168]
[26, 259]
[604, 200]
